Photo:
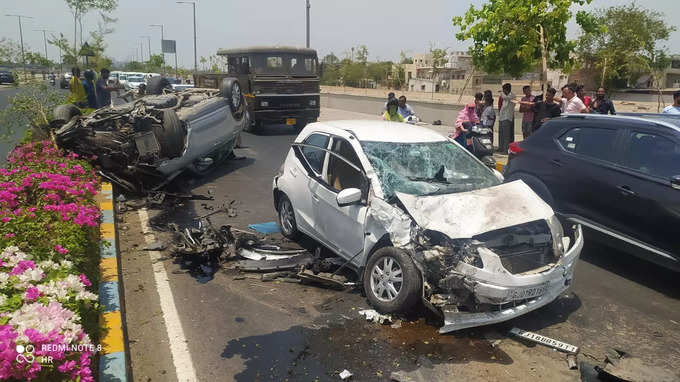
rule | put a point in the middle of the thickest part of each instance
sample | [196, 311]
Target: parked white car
[420, 218]
[134, 80]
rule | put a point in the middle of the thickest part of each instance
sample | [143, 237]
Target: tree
[439, 59]
[511, 36]
[361, 54]
[35, 58]
[404, 59]
[155, 63]
[330, 59]
[134, 66]
[625, 45]
[32, 106]
[80, 8]
[10, 51]
[98, 43]
[67, 53]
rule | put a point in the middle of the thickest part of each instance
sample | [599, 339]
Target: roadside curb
[112, 360]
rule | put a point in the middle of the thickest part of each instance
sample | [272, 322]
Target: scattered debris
[260, 254]
[396, 325]
[621, 366]
[333, 281]
[543, 340]
[155, 246]
[372, 315]
[269, 227]
[275, 265]
[345, 374]
[571, 361]
[275, 275]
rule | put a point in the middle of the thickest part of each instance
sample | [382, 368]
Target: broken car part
[543, 340]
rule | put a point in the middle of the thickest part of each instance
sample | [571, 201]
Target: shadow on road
[632, 268]
[271, 130]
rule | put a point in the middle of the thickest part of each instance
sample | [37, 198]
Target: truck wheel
[391, 281]
[156, 85]
[64, 113]
[170, 134]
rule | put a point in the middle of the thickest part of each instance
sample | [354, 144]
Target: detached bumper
[510, 288]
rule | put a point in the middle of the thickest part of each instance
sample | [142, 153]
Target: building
[672, 74]
[459, 60]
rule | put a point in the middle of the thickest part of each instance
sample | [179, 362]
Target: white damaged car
[421, 219]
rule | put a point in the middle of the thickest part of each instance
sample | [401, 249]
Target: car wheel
[231, 90]
[287, 218]
[156, 85]
[391, 281]
[170, 134]
[536, 185]
[64, 113]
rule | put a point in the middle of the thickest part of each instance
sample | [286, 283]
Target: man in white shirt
[570, 102]
[675, 107]
[506, 118]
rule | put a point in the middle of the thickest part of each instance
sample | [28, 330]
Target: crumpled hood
[467, 214]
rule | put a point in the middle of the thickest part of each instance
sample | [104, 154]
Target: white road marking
[184, 367]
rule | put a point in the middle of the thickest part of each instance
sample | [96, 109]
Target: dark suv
[6, 77]
[619, 176]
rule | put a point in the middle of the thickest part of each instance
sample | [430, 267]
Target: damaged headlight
[445, 253]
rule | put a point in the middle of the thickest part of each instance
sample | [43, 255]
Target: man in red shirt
[527, 112]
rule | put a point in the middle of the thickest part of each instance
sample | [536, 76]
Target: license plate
[543, 340]
[290, 121]
[524, 293]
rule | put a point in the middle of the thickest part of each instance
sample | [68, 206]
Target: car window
[314, 156]
[653, 155]
[274, 62]
[593, 142]
[341, 175]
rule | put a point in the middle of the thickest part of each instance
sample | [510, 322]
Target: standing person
[479, 101]
[544, 109]
[78, 96]
[392, 112]
[88, 86]
[581, 93]
[465, 120]
[527, 112]
[506, 126]
[390, 96]
[488, 118]
[602, 105]
[675, 107]
[404, 109]
[103, 89]
[570, 102]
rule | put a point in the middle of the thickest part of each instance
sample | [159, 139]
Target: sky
[386, 27]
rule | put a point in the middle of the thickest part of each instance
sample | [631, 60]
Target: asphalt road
[6, 145]
[246, 329]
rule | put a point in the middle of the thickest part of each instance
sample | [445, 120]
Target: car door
[341, 227]
[586, 168]
[650, 202]
[306, 178]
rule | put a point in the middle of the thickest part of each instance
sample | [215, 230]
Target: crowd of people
[396, 109]
[93, 92]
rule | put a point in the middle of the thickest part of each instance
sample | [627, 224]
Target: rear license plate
[290, 121]
[547, 341]
[525, 293]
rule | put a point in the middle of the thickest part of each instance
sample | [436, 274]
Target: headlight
[264, 103]
[312, 102]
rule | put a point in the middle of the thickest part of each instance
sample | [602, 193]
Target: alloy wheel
[386, 279]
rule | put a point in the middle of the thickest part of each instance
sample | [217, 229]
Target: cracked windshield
[197, 190]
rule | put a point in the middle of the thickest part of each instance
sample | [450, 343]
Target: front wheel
[391, 281]
[287, 219]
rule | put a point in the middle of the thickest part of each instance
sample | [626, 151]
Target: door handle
[626, 190]
[315, 198]
[556, 162]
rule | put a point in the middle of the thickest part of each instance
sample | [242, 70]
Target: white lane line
[184, 367]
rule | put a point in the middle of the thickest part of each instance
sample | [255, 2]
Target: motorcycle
[412, 119]
[480, 144]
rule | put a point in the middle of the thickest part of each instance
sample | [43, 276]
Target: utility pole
[21, 37]
[193, 4]
[44, 39]
[149, 43]
[308, 6]
[162, 38]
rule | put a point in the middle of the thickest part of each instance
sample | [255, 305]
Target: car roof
[382, 131]
[665, 120]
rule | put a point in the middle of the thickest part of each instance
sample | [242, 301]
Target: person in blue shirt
[404, 109]
[89, 87]
[675, 107]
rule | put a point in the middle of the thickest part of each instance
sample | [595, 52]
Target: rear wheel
[287, 218]
[170, 135]
[64, 113]
[391, 281]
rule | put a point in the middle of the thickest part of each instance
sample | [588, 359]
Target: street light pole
[21, 37]
[308, 6]
[162, 38]
[149, 43]
[44, 39]
[193, 4]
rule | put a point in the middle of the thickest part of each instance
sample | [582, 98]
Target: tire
[64, 113]
[408, 290]
[287, 220]
[170, 134]
[536, 185]
[231, 90]
[156, 85]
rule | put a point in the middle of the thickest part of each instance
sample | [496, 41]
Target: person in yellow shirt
[78, 96]
[392, 112]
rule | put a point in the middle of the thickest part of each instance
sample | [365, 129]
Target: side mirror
[348, 196]
[675, 182]
[498, 175]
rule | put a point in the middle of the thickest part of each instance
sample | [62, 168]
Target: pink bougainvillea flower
[84, 280]
[32, 293]
[61, 249]
[10, 235]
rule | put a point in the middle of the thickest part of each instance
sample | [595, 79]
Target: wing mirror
[498, 175]
[675, 182]
[348, 196]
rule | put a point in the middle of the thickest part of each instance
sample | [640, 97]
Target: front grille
[523, 247]
[286, 87]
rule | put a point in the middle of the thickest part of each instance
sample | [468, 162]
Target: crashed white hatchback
[420, 218]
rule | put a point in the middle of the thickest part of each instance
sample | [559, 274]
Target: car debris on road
[378, 318]
[543, 340]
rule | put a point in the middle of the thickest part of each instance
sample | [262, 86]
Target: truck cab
[281, 84]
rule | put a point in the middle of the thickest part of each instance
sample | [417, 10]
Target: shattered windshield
[426, 168]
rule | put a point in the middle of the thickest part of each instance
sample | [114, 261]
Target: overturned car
[421, 219]
[142, 145]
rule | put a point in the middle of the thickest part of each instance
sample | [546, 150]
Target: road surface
[246, 330]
